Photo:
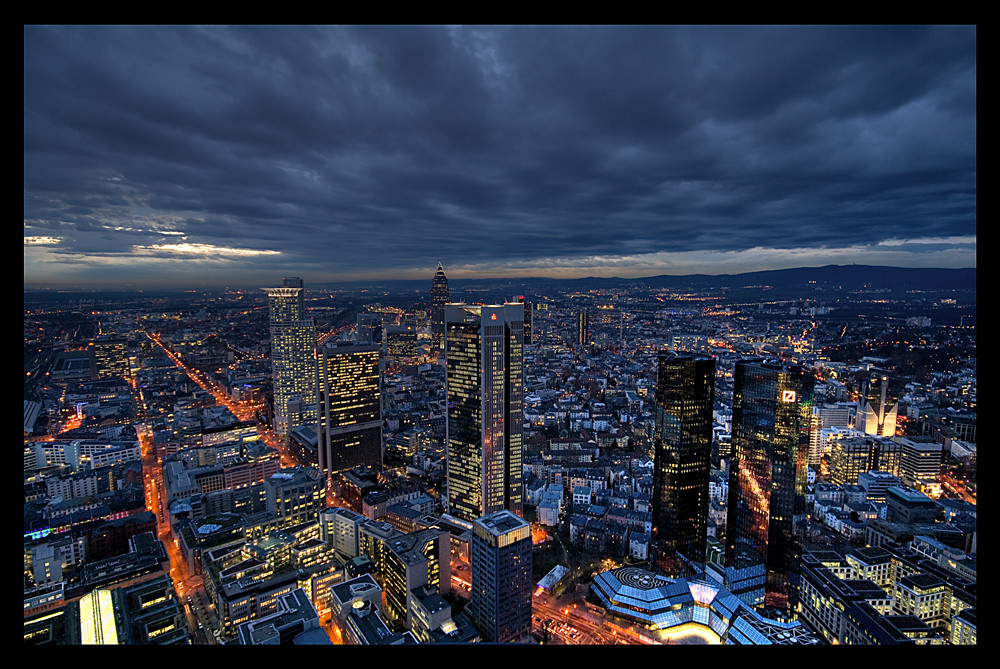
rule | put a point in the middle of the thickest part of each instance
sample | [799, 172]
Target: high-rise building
[440, 296]
[852, 456]
[527, 320]
[583, 328]
[415, 560]
[527, 317]
[920, 463]
[111, 357]
[877, 405]
[296, 494]
[350, 415]
[485, 389]
[825, 416]
[369, 328]
[401, 346]
[685, 393]
[540, 321]
[293, 357]
[772, 406]
[500, 561]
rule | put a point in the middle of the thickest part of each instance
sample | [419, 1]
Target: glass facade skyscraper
[485, 425]
[685, 394]
[293, 357]
[772, 407]
[350, 416]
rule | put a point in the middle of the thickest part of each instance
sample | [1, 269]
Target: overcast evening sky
[210, 156]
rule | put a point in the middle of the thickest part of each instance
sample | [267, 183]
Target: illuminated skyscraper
[350, 415]
[485, 387]
[583, 328]
[852, 456]
[293, 357]
[111, 358]
[685, 393]
[500, 561]
[877, 405]
[440, 295]
[772, 407]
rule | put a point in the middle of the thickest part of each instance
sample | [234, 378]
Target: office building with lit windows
[853, 456]
[296, 494]
[350, 413]
[500, 560]
[920, 463]
[111, 358]
[293, 357]
[685, 392]
[583, 328]
[485, 390]
[416, 560]
[772, 407]
[440, 296]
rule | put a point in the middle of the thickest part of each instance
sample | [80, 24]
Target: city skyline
[210, 156]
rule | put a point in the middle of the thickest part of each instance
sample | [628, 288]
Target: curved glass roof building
[660, 603]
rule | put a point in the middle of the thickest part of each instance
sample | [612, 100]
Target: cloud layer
[223, 155]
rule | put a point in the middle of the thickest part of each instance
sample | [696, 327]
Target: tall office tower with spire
[350, 411]
[877, 405]
[485, 425]
[685, 394]
[293, 357]
[772, 407]
[500, 562]
[440, 296]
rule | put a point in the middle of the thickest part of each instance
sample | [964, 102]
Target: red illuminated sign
[788, 396]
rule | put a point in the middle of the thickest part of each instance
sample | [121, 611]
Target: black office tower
[772, 406]
[685, 392]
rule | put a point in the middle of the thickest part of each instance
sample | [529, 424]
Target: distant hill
[843, 277]
[848, 277]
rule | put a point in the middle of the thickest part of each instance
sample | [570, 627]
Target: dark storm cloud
[351, 150]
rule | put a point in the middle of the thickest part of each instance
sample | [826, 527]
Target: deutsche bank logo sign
[787, 395]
